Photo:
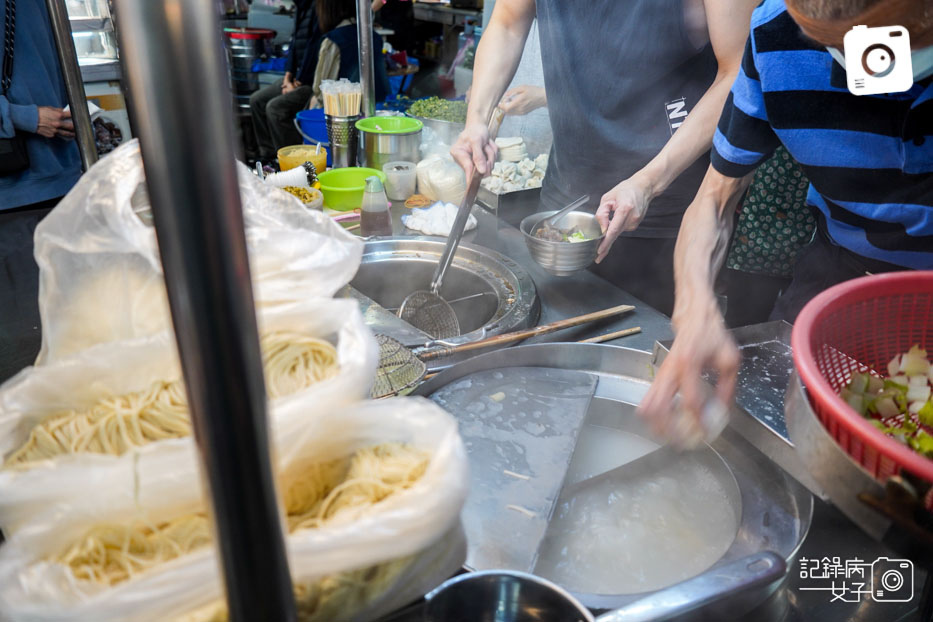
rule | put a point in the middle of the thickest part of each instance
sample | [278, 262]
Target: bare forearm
[727, 25]
[497, 57]
[690, 141]
[703, 243]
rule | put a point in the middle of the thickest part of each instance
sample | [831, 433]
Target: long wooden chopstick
[610, 336]
[601, 338]
[519, 335]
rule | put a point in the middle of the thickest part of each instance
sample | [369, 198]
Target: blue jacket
[54, 163]
[305, 43]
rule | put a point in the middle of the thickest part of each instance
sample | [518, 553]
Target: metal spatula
[425, 309]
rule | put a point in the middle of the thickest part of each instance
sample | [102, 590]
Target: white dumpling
[526, 167]
[493, 184]
[541, 162]
[533, 182]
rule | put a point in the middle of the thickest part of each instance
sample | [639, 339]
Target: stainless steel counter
[563, 297]
[831, 535]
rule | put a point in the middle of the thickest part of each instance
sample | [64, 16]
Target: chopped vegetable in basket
[900, 405]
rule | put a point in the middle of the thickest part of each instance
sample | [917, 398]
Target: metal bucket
[394, 142]
[245, 45]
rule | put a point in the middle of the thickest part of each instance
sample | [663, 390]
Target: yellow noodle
[291, 362]
[333, 597]
[111, 554]
[318, 494]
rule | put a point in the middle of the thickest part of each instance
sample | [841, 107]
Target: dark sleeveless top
[345, 39]
[620, 77]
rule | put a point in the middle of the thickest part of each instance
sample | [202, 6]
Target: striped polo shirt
[869, 158]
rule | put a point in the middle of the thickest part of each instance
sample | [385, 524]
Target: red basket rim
[856, 290]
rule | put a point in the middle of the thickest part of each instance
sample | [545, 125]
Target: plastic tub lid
[389, 125]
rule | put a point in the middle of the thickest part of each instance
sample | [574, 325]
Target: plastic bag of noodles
[371, 497]
[100, 277]
[123, 403]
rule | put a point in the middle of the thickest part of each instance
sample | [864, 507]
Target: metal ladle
[511, 596]
[424, 309]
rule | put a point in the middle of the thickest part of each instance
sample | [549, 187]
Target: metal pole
[364, 31]
[171, 54]
[124, 89]
[74, 85]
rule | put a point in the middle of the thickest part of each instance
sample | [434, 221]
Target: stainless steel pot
[377, 149]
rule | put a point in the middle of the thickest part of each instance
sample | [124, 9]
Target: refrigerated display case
[95, 40]
[92, 27]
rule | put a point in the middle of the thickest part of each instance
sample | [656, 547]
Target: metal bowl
[563, 258]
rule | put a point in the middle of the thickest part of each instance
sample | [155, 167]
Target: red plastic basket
[860, 325]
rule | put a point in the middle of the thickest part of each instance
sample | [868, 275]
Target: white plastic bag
[101, 278]
[85, 378]
[410, 522]
[441, 179]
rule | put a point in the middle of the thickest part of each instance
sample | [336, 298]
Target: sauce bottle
[375, 218]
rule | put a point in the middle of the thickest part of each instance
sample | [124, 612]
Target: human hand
[626, 204]
[475, 149]
[55, 122]
[702, 343]
[289, 84]
[523, 99]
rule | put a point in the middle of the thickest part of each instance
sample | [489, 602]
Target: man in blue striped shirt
[869, 160]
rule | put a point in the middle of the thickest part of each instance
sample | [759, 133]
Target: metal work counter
[831, 534]
[563, 297]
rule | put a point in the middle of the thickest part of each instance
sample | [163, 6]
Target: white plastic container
[400, 180]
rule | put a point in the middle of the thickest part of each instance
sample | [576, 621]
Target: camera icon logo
[892, 580]
[878, 60]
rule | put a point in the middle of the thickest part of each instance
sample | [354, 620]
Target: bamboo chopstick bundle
[342, 98]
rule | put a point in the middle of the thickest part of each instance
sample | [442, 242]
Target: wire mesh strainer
[399, 369]
[430, 313]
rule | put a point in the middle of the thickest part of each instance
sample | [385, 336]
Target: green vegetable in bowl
[441, 109]
[577, 236]
[901, 406]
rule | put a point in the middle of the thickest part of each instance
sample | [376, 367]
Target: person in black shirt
[274, 107]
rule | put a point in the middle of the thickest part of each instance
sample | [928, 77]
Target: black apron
[620, 76]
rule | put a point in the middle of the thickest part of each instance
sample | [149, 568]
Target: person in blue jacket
[273, 108]
[33, 108]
